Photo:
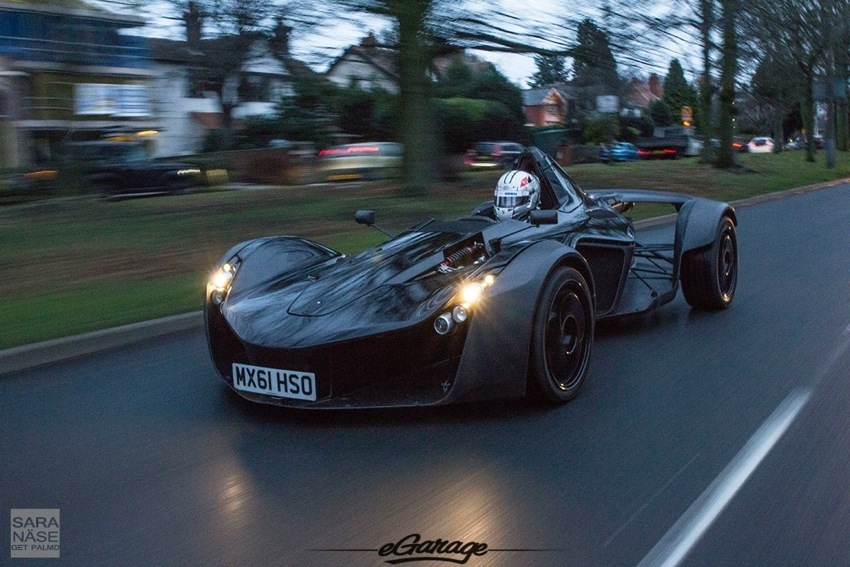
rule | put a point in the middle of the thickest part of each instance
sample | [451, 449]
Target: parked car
[738, 144]
[671, 142]
[491, 155]
[113, 169]
[354, 162]
[760, 145]
[622, 151]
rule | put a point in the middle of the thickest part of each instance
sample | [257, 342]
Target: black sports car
[458, 310]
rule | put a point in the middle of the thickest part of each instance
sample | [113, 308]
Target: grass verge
[76, 265]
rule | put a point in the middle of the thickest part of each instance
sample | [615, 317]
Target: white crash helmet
[517, 193]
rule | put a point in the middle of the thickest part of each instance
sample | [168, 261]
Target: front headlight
[461, 307]
[220, 281]
[192, 171]
[471, 293]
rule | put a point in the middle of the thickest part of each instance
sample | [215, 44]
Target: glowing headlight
[463, 304]
[471, 292]
[220, 282]
[222, 278]
[193, 171]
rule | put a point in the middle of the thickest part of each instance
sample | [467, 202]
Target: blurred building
[367, 66]
[190, 105]
[67, 71]
[548, 106]
[639, 95]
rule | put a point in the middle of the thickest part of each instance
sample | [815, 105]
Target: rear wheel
[562, 337]
[710, 275]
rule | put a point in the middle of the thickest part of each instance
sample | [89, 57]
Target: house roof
[537, 97]
[259, 60]
[380, 58]
[640, 94]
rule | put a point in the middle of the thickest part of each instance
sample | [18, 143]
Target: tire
[710, 275]
[562, 337]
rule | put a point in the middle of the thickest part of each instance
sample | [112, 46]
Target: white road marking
[686, 532]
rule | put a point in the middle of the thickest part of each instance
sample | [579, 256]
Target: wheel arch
[696, 226]
[494, 363]
[697, 222]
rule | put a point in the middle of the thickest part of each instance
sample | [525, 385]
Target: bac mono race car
[459, 310]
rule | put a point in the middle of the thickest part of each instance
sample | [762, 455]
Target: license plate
[275, 382]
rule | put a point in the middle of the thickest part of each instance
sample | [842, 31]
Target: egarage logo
[35, 533]
[412, 548]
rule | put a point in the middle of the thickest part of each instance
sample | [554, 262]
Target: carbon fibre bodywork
[365, 330]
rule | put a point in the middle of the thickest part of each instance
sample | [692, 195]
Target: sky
[319, 47]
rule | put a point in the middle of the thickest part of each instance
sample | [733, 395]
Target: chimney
[655, 86]
[369, 41]
[280, 39]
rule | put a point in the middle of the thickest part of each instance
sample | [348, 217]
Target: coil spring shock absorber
[455, 259]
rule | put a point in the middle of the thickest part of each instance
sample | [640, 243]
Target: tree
[777, 87]
[426, 26]
[601, 128]
[677, 92]
[476, 103]
[728, 71]
[704, 24]
[593, 60]
[551, 69]
[659, 112]
[799, 29]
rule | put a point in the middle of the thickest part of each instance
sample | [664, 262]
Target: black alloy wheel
[562, 337]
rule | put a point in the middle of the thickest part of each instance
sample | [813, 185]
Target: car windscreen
[566, 191]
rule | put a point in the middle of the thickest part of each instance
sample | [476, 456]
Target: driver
[517, 194]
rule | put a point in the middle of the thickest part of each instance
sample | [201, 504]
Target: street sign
[607, 103]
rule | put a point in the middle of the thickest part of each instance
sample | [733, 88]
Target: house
[639, 95]
[547, 106]
[66, 70]
[371, 66]
[190, 107]
[367, 66]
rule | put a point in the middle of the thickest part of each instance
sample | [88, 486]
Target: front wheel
[710, 275]
[562, 337]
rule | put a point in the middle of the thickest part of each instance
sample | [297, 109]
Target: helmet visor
[511, 201]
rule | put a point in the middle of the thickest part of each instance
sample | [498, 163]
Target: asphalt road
[700, 439]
